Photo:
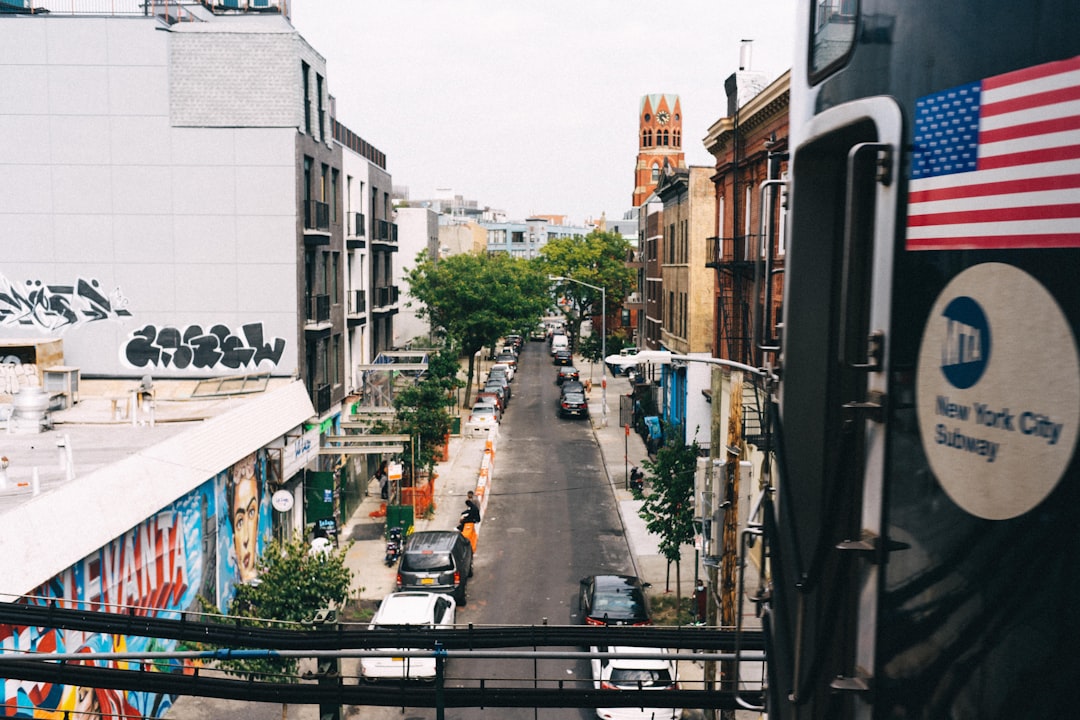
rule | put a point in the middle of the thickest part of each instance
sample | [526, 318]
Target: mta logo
[965, 349]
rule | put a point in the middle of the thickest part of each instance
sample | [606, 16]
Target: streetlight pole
[603, 341]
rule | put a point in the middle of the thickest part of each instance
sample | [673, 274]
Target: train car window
[833, 35]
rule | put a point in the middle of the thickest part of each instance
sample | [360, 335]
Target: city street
[551, 520]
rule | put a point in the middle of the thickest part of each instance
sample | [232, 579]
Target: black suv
[437, 561]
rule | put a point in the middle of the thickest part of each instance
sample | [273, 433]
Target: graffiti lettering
[220, 347]
[56, 308]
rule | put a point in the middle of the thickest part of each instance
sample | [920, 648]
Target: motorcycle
[393, 546]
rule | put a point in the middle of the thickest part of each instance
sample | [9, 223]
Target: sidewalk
[453, 478]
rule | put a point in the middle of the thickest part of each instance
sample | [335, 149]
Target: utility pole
[729, 562]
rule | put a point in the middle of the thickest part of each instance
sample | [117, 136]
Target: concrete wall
[149, 248]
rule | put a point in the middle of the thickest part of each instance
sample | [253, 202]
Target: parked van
[437, 561]
[559, 342]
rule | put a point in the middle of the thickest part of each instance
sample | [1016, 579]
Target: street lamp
[603, 339]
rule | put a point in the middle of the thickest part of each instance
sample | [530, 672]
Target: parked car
[613, 600]
[567, 372]
[508, 357]
[486, 402]
[500, 397]
[620, 368]
[624, 673]
[416, 610]
[506, 368]
[562, 357]
[573, 404]
[559, 342]
[516, 340]
[500, 380]
[496, 386]
[483, 417]
[571, 386]
[438, 561]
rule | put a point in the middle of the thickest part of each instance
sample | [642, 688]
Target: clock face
[662, 117]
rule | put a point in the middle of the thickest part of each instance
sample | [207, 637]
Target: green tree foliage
[293, 585]
[473, 300]
[668, 511]
[599, 259]
[422, 409]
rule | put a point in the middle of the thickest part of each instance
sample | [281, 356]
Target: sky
[531, 107]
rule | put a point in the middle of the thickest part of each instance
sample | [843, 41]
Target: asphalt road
[551, 520]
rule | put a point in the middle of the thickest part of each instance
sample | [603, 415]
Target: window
[646, 138]
[833, 30]
[307, 179]
[678, 138]
[305, 73]
[324, 184]
[333, 195]
[720, 228]
[335, 278]
[748, 247]
[322, 111]
[335, 361]
[656, 172]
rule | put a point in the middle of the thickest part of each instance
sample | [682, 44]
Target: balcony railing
[387, 295]
[357, 302]
[318, 310]
[317, 216]
[322, 399]
[356, 225]
[385, 231]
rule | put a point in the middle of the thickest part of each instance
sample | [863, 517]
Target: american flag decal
[996, 163]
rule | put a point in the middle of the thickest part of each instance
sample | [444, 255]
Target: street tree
[294, 584]
[668, 510]
[599, 259]
[473, 300]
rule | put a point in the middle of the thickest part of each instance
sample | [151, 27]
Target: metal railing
[385, 231]
[357, 302]
[318, 310]
[322, 399]
[171, 11]
[317, 215]
[386, 295]
[356, 224]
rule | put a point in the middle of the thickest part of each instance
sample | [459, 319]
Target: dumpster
[399, 516]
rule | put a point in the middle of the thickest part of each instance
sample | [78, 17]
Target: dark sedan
[562, 357]
[613, 600]
[567, 372]
[573, 404]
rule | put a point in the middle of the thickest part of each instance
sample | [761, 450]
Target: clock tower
[659, 141]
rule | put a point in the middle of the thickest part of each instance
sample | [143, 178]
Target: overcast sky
[531, 107]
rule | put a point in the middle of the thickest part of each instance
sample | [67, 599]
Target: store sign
[282, 501]
[299, 452]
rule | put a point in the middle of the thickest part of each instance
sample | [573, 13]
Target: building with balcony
[180, 221]
[750, 146]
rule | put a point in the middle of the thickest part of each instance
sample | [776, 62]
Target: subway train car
[925, 536]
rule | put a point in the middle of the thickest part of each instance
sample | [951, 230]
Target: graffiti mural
[57, 308]
[169, 347]
[157, 569]
[245, 525]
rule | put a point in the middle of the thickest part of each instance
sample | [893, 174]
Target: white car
[415, 609]
[506, 367]
[631, 674]
[484, 417]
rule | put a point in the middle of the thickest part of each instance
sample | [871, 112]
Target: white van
[559, 342]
